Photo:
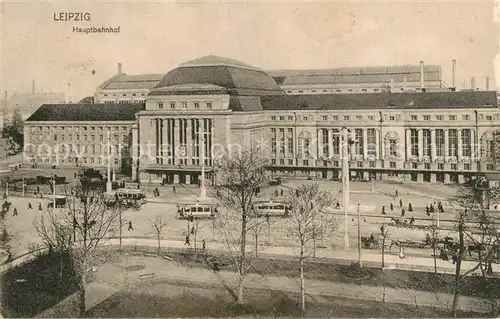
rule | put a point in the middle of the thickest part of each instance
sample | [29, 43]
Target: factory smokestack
[454, 73]
[33, 87]
[120, 69]
[422, 75]
[487, 83]
[473, 83]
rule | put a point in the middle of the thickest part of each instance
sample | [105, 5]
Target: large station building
[157, 126]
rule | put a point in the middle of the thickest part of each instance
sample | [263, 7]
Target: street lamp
[109, 187]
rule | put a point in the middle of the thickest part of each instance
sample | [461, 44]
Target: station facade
[204, 107]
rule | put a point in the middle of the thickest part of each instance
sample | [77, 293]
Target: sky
[157, 36]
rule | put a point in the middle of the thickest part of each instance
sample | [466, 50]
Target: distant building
[123, 88]
[27, 103]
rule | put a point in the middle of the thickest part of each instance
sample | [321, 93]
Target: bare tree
[478, 231]
[307, 204]
[238, 177]
[90, 221]
[158, 225]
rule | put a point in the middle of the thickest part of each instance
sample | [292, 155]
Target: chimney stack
[422, 75]
[487, 83]
[454, 73]
[473, 83]
[120, 69]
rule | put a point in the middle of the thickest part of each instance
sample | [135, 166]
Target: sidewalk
[415, 263]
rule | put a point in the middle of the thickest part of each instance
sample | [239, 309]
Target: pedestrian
[192, 230]
[400, 203]
[173, 189]
[392, 207]
[396, 193]
[216, 267]
[281, 192]
[187, 241]
[15, 212]
[29, 205]
[440, 207]
[383, 210]
[412, 220]
[130, 226]
[337, 206]
[489, 270]
[203, 244]
[427, 210]
[402, 212]
[401, 252]
[410, 207]
[431, 209]
[157, 192]
[39, 206]
[382, 230]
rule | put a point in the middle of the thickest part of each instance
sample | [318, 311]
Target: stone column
[459, 138]
[420, 143]
[433, 144]
[319, 138]
[473, 153]
[330, 143]
[384, 148]
[175, 150]
[433, 177]
[408, 143]
[189, 142]
[135, 152]
[446, 143]
[377, 144]
[365, 146]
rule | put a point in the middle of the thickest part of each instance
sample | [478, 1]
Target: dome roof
[237, 77]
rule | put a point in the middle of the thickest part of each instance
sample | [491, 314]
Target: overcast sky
[156, 37]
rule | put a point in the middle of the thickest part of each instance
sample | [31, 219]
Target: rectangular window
[360, 164]
[184, 105]
[172, 105]
[414, 142]
[439, 117]
[454, 166]
[290, 118]
[324, 117]
[452, 142]
[282, 162]
[324, 141]
[304, 118]
[426, 117]
[391, 118]
[465, 117]
[196, 105]
[414, 165]
[393, 148]
[290, 162]
[427, 142]
[273, 118]
[160, 105]
[489, 118]
[335, 118]
[439, 142]
[55, 137]
[371, 139]
[305, 162]
[359, 117]
[359, 145]
[427, 165]
[488, 149]
[273, 145]
[290, 145]
[413, 117]
[273, 161]
[440, 166]
[282, 118]
[452, 117]
[392, 164]
[346, 117]
[370, 117]
[466, 167]
[209, 105]
[282, 140]
[466, 142]
[372, 164]
[490, 167]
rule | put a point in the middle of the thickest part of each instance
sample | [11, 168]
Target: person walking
[402, 212]
[203, 244]
[29, 205]
[337, 206]
[39, 206]
[410, 207]
[383, 210]
[400, 203]
[392, 207]
[15, 212]
[173, 189]
[401, 252]
[187, 241]
[412, 220]
[396, 193]
[130, 226]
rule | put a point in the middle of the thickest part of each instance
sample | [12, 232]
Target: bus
[128, 194]
[271, 209]
[197, 211]
[60, 201]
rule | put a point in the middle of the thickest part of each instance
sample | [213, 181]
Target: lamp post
[359, 237]
[109, 187]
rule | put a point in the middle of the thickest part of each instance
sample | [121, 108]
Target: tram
[271, 209]
[128, 194]
[196, 211]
